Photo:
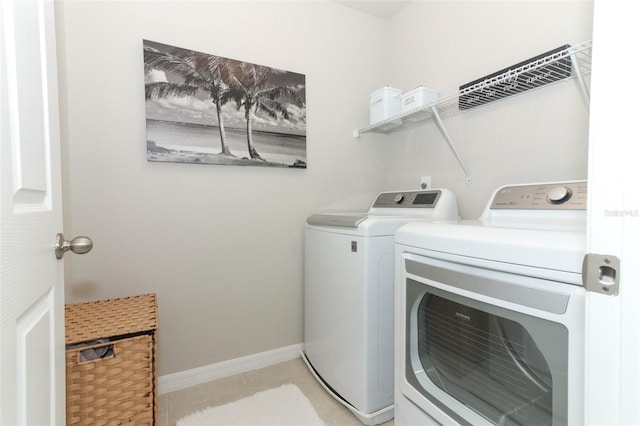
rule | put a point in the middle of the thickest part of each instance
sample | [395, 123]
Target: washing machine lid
[364, 226]
[334, 219]
[390, 207]
[388, 212]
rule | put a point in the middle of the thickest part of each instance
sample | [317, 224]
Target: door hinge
[601, 273]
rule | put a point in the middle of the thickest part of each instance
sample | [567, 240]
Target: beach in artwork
[198, 143]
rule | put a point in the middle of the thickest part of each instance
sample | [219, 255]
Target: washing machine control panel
[408, 199]
[553, 196]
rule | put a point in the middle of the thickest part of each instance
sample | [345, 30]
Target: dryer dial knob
[398, 198]
[558, 194]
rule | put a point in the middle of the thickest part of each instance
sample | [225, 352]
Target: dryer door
[487, 361]
[477, 358]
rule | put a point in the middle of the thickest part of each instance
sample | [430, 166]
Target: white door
[613, 322]
[32, 380]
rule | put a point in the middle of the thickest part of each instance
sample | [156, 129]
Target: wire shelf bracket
[445, 134]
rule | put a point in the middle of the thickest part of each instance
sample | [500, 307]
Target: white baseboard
[184, 379]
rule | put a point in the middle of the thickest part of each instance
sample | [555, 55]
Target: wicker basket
[111, 361]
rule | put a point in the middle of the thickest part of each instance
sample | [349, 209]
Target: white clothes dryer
[348, 296]
[490, 313]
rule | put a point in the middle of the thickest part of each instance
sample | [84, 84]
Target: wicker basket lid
[110, 317]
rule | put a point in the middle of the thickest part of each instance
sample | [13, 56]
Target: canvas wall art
[207, 109]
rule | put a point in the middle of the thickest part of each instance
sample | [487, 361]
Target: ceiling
[384, 9]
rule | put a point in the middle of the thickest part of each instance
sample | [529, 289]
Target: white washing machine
[348, 298]
[490, 313]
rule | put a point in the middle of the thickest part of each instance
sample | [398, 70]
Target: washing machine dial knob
[558, 194]
[398, 198]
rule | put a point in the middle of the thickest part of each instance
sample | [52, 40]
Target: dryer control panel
[551, 196]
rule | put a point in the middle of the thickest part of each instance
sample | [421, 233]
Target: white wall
[538, 136]
[220, 245]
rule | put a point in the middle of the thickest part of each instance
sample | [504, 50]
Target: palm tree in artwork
[248, 87]
[199, 71]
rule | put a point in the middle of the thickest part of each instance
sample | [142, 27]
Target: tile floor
[175, 405]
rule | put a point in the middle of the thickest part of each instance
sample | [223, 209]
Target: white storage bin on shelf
[383, 104]
[417, 98]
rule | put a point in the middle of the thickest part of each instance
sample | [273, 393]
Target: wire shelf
[573, 62]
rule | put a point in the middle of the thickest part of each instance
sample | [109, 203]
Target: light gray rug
[282, 406]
